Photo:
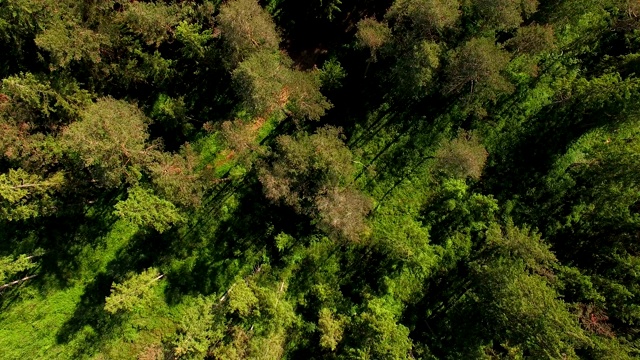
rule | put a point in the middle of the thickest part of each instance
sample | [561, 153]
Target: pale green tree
[331, 329]
[24, 195]
[133, 292]
[144, 209]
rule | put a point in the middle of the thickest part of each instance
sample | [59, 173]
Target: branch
[17, 282]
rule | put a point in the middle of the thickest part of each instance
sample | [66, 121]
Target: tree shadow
[220, 246]
[143, 250]
[61, 238]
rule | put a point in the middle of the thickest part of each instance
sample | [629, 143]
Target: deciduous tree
[331, 329]
[505, 14]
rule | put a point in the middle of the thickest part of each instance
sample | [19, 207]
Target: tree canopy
[322, 179]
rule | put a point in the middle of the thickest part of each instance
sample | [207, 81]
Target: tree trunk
[17, 282]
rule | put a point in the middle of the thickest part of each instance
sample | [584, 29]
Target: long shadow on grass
[143, 251]
[62, 240]
[224, 245]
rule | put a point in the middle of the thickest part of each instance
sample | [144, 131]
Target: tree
[532, 39]
[525, 310]
[305, 99]
[462, 157]
[378, 333]
[24, 196]
[242, 299]
[196, 330]
[331, 329]
[41, 104]
[373, 35]
[68, 41]
[153, 22]
[11, 266]
[475, 71]
[342, 213]
[176, 177]
[246, 28]
[312, 174]
[415, 72]
[110, 140]
[331, 74]
[305, 163]
[267, 83]
[144, 209]
[505, 14]
[133, 292]
[422, 18]
[591, 209]
[260, 80]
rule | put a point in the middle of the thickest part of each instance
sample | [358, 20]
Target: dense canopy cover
[321, 179]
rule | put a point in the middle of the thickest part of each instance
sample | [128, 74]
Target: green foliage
[522, 302]
[68, 41]
[152, 22]
[24, 195]
[304, 98]
[133, 292]
[382, 336]
[532, 39]
[241, 299]
[407, 222]
[311, 173]
[423, 18]
[505, 14]
[176, 177]
[247, 28]
[266, 83]
[110, 139]
[194, 38]
[475, 72]
[331, 329]
[372, 35]
[260, 80]
[306, 162]
[462, 157]
[415, 72]
[194, 333]
[332, 74]
[41, 102]
[144, 209]
[10, 266]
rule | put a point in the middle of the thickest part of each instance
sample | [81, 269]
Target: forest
[320, 179]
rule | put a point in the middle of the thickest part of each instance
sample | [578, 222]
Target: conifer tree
[475, 72]
[132, 292]
[146, 210]
[24, 195]
[110, 140]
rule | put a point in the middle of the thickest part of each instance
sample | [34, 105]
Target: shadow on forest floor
[141, 252]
